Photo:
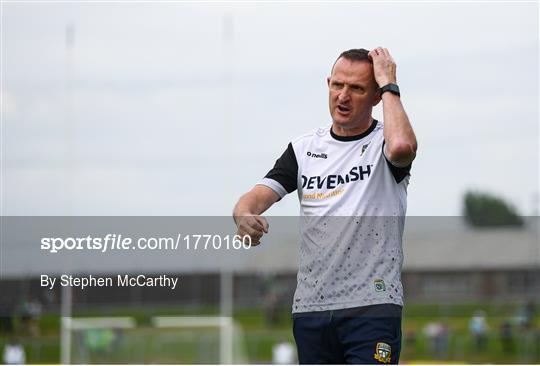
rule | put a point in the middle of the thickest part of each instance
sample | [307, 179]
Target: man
[351, 179]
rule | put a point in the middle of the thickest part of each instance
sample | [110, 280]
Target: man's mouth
[343, 109]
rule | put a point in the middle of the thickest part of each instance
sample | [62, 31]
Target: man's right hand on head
[254, 226]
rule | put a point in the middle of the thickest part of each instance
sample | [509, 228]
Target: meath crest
[383, 352]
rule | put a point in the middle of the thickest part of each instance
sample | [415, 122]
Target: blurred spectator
[284, 353]
[6, 316]
[270, 304]
[507, 337]
[272, 297]
[438, 339]
[526, 314]
[30, 314]
[410, 338]
[529, 313]
[13, 354]
[478, 328]
[442, 341]
[430, 331]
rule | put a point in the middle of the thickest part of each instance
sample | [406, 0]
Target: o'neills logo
[320, 156]
[333, 180]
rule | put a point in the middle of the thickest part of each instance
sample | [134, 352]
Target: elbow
[402, 152]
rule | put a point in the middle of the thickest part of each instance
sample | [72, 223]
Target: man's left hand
[384, 67]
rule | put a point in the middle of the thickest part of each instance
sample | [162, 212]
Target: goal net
[166, 339]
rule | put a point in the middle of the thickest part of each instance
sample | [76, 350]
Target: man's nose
[344, 94]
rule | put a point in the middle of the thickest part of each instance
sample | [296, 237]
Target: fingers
[387, 55]
[380, 51]
[384, 67]
[262, 221]
[256, 224]
[377, 54]
[254, 227]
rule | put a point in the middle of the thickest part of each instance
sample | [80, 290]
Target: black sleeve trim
[285, 171]
[399, 173]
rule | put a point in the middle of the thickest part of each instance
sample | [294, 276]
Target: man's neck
[358, 130]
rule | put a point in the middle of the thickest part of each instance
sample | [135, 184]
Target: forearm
[399, 136]
[254, 202]
[247, 205]
[400, 142]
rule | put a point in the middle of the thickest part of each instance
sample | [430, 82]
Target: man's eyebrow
[353, 85]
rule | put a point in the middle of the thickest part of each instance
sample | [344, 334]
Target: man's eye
[337, 85]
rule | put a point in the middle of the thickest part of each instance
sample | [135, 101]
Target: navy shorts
[362, 335]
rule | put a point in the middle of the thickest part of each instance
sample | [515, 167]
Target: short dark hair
[355, 54]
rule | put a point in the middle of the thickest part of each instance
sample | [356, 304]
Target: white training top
[353, 203]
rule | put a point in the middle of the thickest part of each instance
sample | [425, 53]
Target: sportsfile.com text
[118, 242]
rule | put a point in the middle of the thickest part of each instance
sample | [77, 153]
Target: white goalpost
[230, 338]
[88, 332]
[167, 338]
[224, 324]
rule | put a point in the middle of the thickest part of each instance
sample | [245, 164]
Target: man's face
[353, 93]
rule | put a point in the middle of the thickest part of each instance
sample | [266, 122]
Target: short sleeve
[399, 173]
[284, 173]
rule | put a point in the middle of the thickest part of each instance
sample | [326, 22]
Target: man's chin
[341, 121]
